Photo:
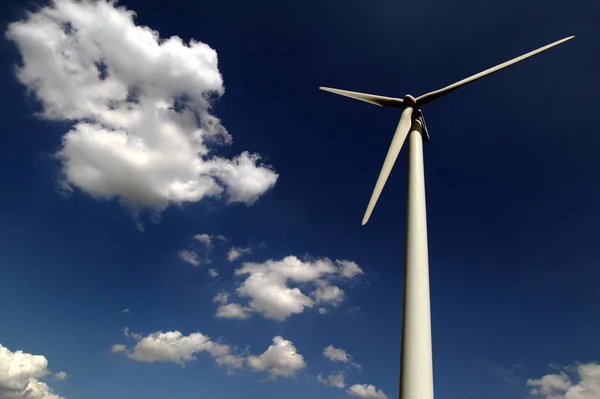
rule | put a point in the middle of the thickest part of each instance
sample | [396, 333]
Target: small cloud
[174, 347]
[126, 311]
[366, 391]
[190, 257]
[233, 311]
[213, 273]
[339, 355]
[61, 375]
[130, 334]
[221, 297]
[118, 348]
[336, 380]
[237, 252]
[205, 239]
[322, 311]
[349, 269]
[281, 359]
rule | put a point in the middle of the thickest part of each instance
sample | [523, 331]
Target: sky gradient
[181, 217]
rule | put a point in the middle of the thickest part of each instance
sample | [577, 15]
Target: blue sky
[100, 196]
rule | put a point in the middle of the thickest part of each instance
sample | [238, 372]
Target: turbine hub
[410, 101]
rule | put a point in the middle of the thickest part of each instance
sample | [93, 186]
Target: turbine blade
[399, 137]
[369, 98]
[429, 97]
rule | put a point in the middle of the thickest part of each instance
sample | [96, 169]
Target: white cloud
[126, 311]
[20, 373]
[562, 386]
[281, 359]
[143, 128]
[213, 273]
[204, 238]
[118, 348]
[322, 311]
[326, 293]
[339, 355]
[130, 334]
[350, 269]
[269, 292]
[61, 375]
[170, 346]
[233, 311]
[237, 252]
[366, 391]
[336, 355]
[190, 257]
[173, 346]
[221, 297]
[336, 380]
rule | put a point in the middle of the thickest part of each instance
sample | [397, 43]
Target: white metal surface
[397, 141]
[416, 379]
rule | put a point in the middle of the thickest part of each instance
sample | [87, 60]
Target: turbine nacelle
[409, 101]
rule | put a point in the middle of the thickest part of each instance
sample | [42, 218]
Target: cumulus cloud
[336, 354]
[233, 311]
[174, 347]
[213, 273]
[339, 355]
[143, 129]
[237, 252]
[190, 257]
[206, 239]
[281, 359]
[584, 385]
[268, 285]
[118, 348]
[336, 380]
[20, 373]
[61, 375]
[366, 391]
[326, 293]
[350, 269]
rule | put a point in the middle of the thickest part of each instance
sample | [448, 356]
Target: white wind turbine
[416, 375]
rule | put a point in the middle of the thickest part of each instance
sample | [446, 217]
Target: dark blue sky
[512, 191]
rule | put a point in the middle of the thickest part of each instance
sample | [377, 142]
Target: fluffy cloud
[140, 105]
[281, 359]
[20, 373]
[267, 285]
[336, 355]
[562, 386]
[350, 269]
[233, 311]
[237, 252]
[326, 293]
[213, 273]
[339, 355]
[173, 346]
[366, 391]
[61, 375]
[336, 380]
[190, 257]
[118, 348]
[206, 239]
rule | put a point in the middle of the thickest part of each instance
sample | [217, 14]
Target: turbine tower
[416, 367]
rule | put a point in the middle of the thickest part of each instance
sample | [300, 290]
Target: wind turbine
[416, 375]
